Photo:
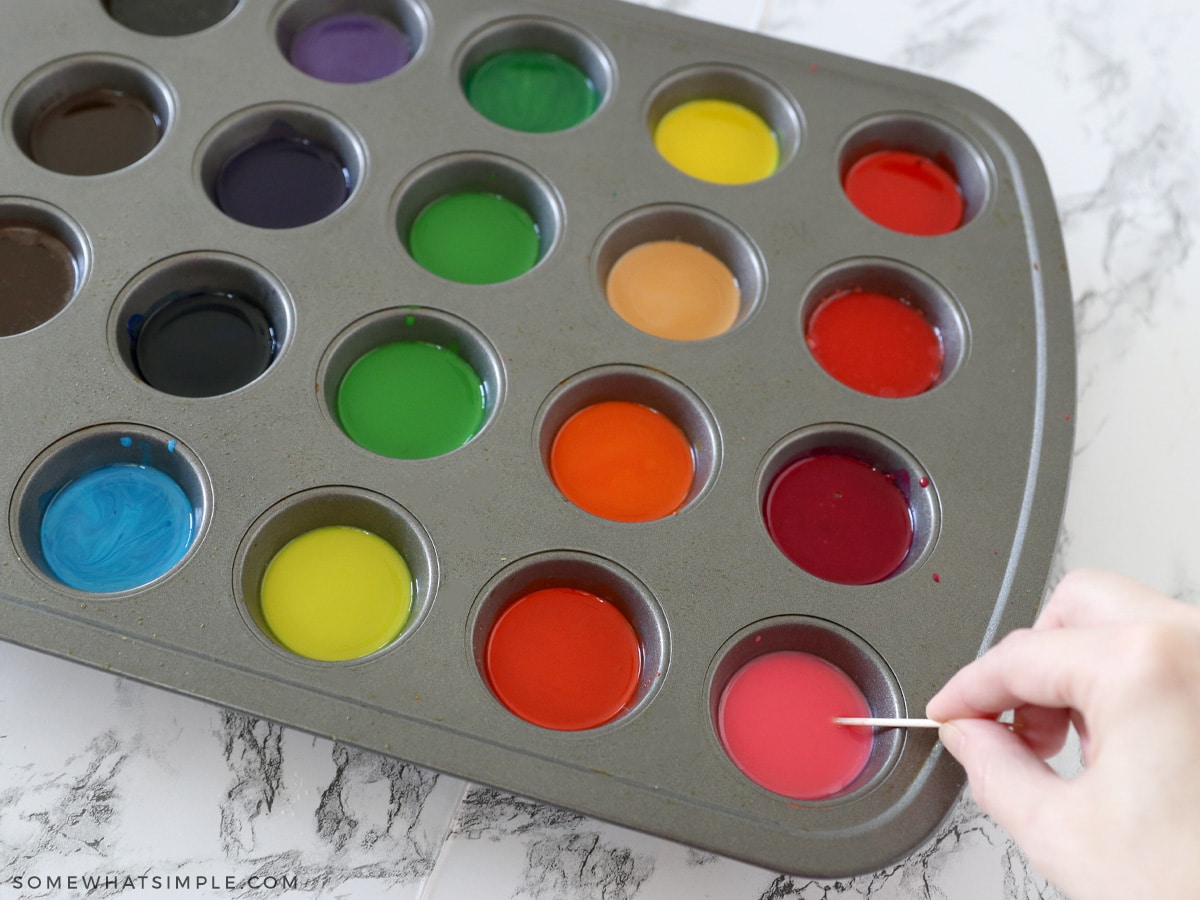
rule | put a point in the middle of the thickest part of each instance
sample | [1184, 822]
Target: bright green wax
[531, 90]
[475, 238]
[411, 400]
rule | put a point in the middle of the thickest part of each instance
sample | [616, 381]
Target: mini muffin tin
[981, 458]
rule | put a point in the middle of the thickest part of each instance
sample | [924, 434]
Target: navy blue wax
[116, 528]
[284, 180]
[203, 344]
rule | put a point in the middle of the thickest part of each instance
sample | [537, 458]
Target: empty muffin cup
[169, 18]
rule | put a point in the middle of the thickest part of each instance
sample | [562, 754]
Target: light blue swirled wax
[115, 528]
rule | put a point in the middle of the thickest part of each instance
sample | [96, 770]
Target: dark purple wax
[284, 180]
[350, 48]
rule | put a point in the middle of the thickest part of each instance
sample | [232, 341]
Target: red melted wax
[775, 720]
[905, 192]
[875, 343]
[839, 519]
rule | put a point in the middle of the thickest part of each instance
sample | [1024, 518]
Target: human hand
[1122, 663]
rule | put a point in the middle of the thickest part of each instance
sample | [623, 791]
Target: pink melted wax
[775, 720]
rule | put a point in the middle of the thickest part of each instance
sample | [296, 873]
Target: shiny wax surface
[775, 720]
[350, 48]
[203, 344]
[622, 461]
[116, 528]
[411, 400]
[94, 132]
[37, 277]
[905, 192]
[717, 141]
[336, 593]
[876, 344]
[673, 290]
[839, 519]
[531, 90]
[284, 180]
[475, 238]
[563, 659]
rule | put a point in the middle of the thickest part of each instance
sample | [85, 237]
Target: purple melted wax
[283, 180]
[350, 48]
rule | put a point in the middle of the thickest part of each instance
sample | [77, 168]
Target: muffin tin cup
[833, 644]
[318, 507]
[692, 225]
[89, 449]
[73, 75]
[648, 387]
[569, 41]
[486, 173]
[157, 286]
[930, 137]
[249, 127]
[735, 84]
[410, 17]
[413, 323]
[882, 454]
[43, 302]
[904, 282]
[170, 18]
[594, 575]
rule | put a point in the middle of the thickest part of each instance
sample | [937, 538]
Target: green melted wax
[475, 238]
[411, 400]
[531, 90]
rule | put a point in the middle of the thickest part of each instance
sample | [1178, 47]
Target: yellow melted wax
[336, 593]
[717, 141]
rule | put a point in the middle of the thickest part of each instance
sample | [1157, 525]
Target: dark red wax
[875, 343]
[905, 192]
[839, 519]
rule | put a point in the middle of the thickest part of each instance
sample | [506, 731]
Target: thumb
[1009, 782]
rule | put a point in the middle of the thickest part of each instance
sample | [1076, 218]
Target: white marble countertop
[106, 778]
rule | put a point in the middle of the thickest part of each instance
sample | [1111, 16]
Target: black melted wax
[202, 344]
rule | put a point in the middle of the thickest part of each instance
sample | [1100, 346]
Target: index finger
[1092, 597]
[1054, 669]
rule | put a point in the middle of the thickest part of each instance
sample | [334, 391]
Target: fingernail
[951, 735]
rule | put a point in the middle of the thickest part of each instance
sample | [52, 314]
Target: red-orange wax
[563, 658]
[905, 192]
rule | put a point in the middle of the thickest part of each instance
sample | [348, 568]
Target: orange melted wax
[623, 461]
